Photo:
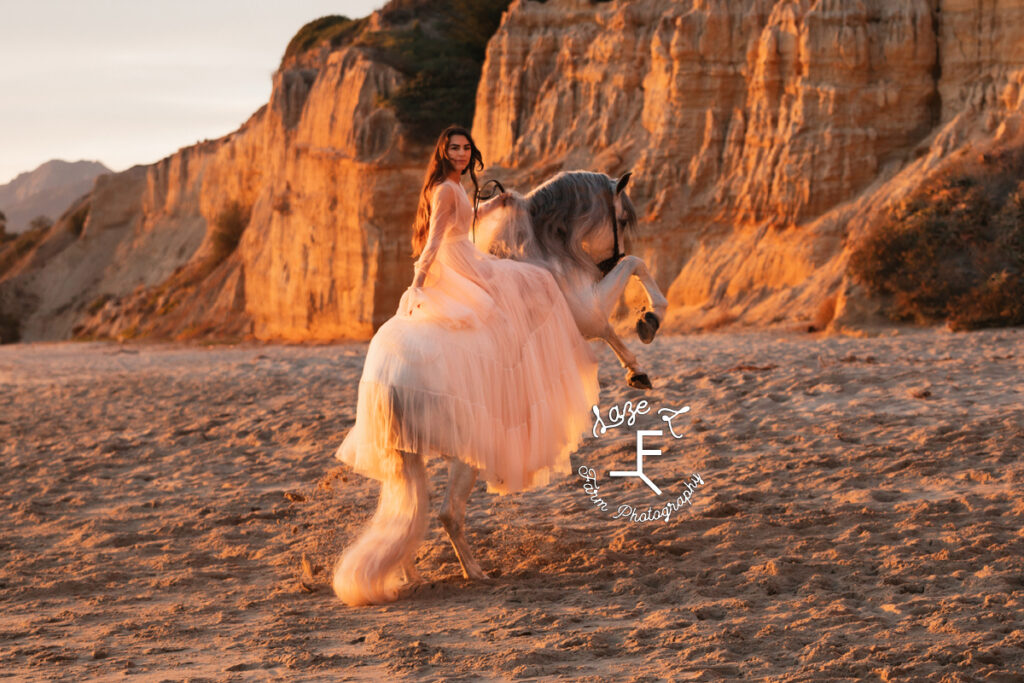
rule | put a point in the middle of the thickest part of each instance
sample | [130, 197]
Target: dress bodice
[449, 257]
[462, 220]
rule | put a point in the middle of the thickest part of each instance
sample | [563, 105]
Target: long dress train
[483, 363]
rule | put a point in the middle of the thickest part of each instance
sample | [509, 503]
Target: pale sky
[129, 82]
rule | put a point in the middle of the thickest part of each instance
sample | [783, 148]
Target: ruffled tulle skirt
[489, 368]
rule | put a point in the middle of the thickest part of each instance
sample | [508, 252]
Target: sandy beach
[860, 518]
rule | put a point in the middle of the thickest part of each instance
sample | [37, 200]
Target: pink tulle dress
[483, 363]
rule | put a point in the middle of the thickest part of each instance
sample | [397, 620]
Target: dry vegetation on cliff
[335, 30]
[228, 228]
[954, 250]
[13, 247]
[439, 47]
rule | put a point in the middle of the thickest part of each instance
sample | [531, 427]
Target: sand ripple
[861, 518]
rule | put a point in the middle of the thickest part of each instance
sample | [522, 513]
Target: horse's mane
[569, 208]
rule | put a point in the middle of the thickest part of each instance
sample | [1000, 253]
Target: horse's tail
[368, 570]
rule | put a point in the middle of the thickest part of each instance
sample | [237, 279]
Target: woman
[482, 362]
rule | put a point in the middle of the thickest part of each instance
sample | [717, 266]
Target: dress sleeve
[442, 215]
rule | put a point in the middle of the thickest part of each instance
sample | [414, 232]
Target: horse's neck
[516, 237]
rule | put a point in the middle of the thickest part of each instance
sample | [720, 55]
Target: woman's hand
[411, 299]
[498, 201]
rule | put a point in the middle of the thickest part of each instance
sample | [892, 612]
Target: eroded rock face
[328, 255]
[325, 188]
[765, 137]
[762, 135]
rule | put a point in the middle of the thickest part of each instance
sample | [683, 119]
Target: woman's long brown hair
[439, 168]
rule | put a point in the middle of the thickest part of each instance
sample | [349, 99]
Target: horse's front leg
[461, 478]
[612, 285]
[650, 320]
[607, 293]
[635, 377]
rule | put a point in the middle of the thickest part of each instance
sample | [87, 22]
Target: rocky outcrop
[765, 137]
[293, 227]
[330, 255]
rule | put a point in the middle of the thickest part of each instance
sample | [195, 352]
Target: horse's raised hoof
[639, 380]
[647, 327]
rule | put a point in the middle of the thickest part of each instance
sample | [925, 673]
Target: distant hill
[46, 191]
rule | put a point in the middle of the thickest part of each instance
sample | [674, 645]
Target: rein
[480, 194]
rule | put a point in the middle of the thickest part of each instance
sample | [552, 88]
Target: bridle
[484, 193]
[606, 265]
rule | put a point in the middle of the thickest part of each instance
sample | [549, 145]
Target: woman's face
[459, 151]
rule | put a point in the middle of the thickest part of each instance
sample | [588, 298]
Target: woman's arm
[492, 204]
[442, 214]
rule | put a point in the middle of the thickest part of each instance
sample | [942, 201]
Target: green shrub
[336, 29]
[440, 52]
[955, 250]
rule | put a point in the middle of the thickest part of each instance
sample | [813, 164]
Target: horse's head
[577, 214]
[570, 220]
[623, 216]
[625, 212]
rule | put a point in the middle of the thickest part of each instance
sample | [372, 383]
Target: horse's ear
[621, 184]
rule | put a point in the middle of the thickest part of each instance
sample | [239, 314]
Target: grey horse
[567, 225]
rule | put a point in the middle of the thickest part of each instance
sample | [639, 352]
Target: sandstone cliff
[325, 193]
[765, 137]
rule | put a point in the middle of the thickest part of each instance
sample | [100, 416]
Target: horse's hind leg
[461, 478]
[412, 575]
